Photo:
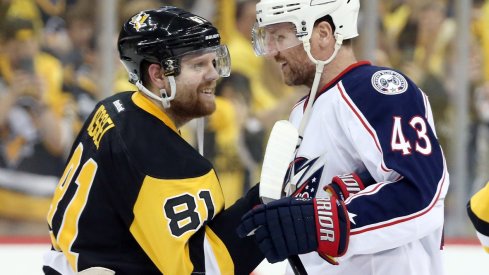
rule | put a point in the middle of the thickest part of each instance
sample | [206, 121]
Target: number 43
[400, 143]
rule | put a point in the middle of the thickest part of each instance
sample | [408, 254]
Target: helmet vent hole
[278, 10]
[293, 7]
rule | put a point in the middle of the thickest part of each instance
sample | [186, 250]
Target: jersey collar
[149, 106]
[340, 75]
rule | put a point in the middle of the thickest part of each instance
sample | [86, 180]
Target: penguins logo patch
[138, 21]
[389, 82]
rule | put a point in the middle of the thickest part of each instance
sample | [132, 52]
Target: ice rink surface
[26, 259]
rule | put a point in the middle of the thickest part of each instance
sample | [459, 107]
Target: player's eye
[198, 65]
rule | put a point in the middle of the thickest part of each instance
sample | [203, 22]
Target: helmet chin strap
[319, 71]
[290, 188]
[163, 98]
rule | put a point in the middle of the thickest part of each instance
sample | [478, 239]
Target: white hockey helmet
[303, 14]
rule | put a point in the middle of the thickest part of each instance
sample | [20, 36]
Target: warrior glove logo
[325, 218]
[389, 82]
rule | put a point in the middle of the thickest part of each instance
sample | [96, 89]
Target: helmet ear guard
[171, 66]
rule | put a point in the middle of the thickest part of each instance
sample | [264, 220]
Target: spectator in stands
[233, 137]
[80, 68]
[480, 27]
[32, 136]
[479, 105]
[25, 9]
[267, 104]
[422, 55]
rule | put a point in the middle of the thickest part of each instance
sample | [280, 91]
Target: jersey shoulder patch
[389, 82]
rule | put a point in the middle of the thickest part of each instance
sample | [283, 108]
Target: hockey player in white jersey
[359, 119]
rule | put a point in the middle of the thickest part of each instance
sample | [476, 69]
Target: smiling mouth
[208, 91]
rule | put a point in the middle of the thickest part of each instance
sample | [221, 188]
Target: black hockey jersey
[136, 198]
[478, 211]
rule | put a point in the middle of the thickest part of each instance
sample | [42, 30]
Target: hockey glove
[292, 226]
[346, 185]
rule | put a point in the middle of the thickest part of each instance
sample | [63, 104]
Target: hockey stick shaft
[297, 265]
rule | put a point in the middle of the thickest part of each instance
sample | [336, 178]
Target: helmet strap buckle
[164, 98]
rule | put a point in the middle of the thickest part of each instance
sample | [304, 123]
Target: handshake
[294, 225]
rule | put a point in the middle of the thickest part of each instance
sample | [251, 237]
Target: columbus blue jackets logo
[389, 82]
[307, 176]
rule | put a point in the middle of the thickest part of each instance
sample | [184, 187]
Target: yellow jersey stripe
[144, 103]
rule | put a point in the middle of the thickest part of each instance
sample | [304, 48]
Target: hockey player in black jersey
[478, 212]
[135, 197]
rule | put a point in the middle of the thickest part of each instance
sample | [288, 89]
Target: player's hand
[292, 226]
[346, 185]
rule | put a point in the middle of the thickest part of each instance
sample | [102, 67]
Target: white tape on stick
[278, 155]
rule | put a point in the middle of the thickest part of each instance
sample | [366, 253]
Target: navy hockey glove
[292, 226]
[346, 185]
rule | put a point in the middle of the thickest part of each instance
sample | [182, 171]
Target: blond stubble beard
[300, 75]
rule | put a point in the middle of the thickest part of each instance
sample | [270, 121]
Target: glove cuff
[344, 186]
[333, 226]
[349, 184]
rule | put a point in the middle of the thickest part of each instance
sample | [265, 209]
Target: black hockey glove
[346, 185]
[292, 226]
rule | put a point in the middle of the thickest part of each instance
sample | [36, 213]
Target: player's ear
[156, 75]
[324, 32]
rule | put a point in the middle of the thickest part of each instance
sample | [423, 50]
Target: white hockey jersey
[376, 119]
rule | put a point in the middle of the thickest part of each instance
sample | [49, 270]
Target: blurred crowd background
[55, 55]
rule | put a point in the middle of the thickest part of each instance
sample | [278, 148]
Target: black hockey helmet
[162, 35]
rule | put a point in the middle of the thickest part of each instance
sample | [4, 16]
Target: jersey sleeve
[478, 211]
[224, 226]
[393, 133]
